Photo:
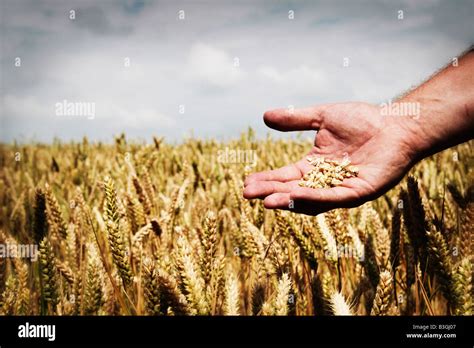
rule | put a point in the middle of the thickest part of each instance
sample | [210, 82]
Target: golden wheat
[169, 233]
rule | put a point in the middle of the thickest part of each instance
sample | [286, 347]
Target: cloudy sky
[214, 72]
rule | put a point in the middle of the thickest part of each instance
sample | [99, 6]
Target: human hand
[380, 146]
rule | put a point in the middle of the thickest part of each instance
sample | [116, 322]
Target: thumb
[295, 120]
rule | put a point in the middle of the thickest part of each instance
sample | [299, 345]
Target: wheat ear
[465, 288]
[339, 306]
[55, 215]
[395, 239]
[305, 243]
[209, 246]
[39, 222]
[24, 292]
[171, 297]
[416, 220]
[442, 265]
[327, 239]
[282, 297]
[94, 295]
[116, 242]
[3, 266]
[191, 280]
[382, 301]
[49, 275]
[142, 195]
[151, 288]
[232, 296]
[9, 296]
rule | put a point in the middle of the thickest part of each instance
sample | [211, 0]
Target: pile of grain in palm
[327, 172]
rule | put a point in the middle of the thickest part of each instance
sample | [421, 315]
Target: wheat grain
[327, 173]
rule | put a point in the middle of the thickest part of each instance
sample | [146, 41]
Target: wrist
[410, 137]
[445, 108]
[440, 123]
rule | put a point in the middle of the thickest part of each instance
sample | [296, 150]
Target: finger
[335, 197]
[286, 173]
[283, 201]
[294, 120]
[277, 201]
[262, 189]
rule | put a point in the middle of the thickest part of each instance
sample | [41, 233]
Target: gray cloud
[95, 20]
[192, 63]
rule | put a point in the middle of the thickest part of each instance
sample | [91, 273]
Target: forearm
[446, 109]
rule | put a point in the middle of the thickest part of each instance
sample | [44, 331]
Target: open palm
[375, 144]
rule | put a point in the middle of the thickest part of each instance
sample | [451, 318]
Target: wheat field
[130, 228]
